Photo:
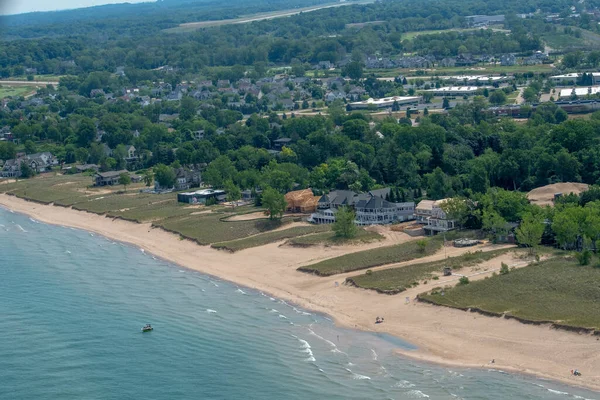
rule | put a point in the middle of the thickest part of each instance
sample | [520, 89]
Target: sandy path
[443, 335]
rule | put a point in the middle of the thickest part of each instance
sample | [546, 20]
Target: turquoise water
[72, 305]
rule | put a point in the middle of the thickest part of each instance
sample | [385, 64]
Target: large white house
[371, 208]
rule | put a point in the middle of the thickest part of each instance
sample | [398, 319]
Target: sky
[24, 6]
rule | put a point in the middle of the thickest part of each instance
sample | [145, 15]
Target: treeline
[309, 37]
[461, 153]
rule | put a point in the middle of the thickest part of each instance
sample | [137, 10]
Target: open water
[72, 305]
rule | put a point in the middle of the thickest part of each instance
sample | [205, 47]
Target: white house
[433, 217]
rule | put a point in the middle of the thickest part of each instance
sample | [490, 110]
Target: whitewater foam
[403, 385]
[357, 376]
[240, 291]
[306, 348]
[208, 310]
[417, 394]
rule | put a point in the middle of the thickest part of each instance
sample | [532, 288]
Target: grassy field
[374, 257]
[329, 239]
[206, 225]
[557, 290]
[476, 70]
[270, 237]
[15, 91]
[397, 280]
[192, 26]
[209, 228]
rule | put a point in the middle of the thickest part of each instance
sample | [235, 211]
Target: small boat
[147, 328]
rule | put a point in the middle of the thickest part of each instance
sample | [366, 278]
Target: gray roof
[112, 174]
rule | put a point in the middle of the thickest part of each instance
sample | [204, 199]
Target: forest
[81, 41]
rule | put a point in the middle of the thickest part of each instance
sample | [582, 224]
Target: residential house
[131, 153]
[433, 217]
[39, 162]
[187, 178]
[86, 167]
[111, 178]
[202, 196]
[371, 208]
[301, 201]
[508, 60]
[278, 144]
[249, 195]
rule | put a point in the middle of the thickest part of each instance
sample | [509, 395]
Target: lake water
[72, 305]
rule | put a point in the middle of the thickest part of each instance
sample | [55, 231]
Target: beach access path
[442, 335]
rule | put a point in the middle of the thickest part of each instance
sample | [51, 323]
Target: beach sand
[442, 335]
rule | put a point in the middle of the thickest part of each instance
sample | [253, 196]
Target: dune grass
[269, 237]
[374, 257]
[329, 239]
[397, 280]
[210, 228]
[557, 290]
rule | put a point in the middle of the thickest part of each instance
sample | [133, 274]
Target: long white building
[385, 102]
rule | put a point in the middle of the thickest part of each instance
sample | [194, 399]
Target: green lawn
[397, 280]
[556, 290]
[329, 239]
[15, 91]
[269, 237]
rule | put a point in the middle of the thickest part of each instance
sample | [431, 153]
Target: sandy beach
[442, 335]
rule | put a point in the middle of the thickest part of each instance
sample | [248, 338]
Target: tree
[497, 98]
[233, 191]
[353, 70]
[148, 177]
[124, 179]
[29, 147]
[530, 232]
[164, 175]
[81, 155]
[187, 108]
[438, 184]
[457, 209]
[344, 226]
[274, 202]
[26, 170]
[445, 103]
[493, 222]
[219, 170]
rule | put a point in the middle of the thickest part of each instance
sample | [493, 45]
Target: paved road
[28, 83]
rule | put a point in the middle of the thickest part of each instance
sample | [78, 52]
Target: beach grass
[269, 237]
[210, 228]
[49, 189]
[557, 290]
[397, 280]
[329, 239]
[374, 257]
[206, 225]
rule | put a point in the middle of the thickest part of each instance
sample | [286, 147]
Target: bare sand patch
[544, 195]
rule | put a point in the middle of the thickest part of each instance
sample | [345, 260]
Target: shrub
[463, 280]
[584, 257]
[369, 272]
[504, 269]
[422, 244]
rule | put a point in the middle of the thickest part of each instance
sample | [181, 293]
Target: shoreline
[442, 336]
